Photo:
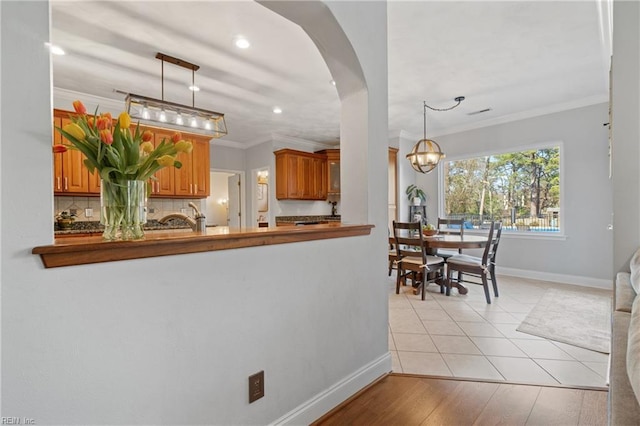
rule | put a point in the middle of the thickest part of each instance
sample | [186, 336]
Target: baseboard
[316, 407]
[558, 278]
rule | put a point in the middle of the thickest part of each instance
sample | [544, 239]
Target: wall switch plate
[88, 212]
[256, 386]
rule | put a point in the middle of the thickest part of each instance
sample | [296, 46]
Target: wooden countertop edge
[86, 250]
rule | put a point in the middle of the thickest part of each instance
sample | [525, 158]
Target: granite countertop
[94, 227]
[309, 218]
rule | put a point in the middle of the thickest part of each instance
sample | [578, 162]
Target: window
[522, 189]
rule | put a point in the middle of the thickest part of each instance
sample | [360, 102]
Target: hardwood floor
[416, 400]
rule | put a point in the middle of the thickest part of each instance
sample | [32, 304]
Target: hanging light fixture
[426, 154]
[172, 115]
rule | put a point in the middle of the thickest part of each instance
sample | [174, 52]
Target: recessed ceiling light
[277, 110]
[333, 82]
[56, 50]
[479, 111]
[242, 43]
[194, 88]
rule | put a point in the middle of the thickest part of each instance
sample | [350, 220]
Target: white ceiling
[518, 58]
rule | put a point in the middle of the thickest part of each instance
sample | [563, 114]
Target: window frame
[546, 235]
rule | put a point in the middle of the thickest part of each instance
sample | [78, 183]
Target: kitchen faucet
[197, 223]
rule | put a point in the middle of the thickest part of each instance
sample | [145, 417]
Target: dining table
[455, 241]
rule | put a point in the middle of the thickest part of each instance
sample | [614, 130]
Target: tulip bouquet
[121, 157]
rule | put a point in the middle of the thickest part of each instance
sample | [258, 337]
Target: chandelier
[173, 115]
[426, 154]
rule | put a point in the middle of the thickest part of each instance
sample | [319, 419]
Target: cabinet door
[165, 183]
[75, 176]
[306, 177]
[200, 165]
[320, 178]
[94, 182]
[57, 158]
[184, 175]
[334, 176]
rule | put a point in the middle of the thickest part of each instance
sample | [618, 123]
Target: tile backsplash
[156, 207]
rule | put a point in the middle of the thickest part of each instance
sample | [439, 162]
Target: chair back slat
[496, 241]
[487, 248]
[409, 240]
[451, 226]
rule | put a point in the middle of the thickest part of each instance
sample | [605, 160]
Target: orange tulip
[59, 149]
[147, 136]
[91, 121]
[106, 137]
[177, 137]
[104, 122]
[79, 107]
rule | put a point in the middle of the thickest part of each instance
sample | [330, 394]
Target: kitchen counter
[92, 249]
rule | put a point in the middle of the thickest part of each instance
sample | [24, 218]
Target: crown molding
[283, 141]
[549, 109]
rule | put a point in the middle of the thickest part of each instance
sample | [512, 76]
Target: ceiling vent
[479, 112]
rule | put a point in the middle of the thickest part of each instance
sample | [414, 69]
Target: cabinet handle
[196, 189]
[190, 188]
[66, 183]
[58, 182]
[158, 187]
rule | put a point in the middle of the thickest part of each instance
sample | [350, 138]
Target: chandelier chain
[458, 100]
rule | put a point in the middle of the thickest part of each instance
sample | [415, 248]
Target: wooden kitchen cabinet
[70, 174]
[164, 184]
[333, 170]
[300, 175]
[192, 179]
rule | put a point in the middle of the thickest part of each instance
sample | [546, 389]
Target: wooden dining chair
[413, 260]
[393, 254]
[450, 227]
[479, 267]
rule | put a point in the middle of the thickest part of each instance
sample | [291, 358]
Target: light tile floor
[463, 336]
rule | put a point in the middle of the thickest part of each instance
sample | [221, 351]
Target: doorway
[225, 205]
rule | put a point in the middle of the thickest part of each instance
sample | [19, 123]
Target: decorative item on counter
[334, 209]
[125, 161]
[65, 220]
[429, 230]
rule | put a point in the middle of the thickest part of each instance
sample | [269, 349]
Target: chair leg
[398, 280]
[448, 282]
[485, 284]
[390, 266]
[493, 280]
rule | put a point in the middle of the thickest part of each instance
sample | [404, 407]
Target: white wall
[585, 256]
[226, 158]
[626, 131]
[173, 339]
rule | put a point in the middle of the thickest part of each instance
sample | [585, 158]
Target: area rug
[578, 318]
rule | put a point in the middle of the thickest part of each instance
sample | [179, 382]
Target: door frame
[243, 193]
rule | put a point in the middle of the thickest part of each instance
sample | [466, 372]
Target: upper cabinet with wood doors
[192, 179]
[333, 170]
[300, 175]
[71, 177]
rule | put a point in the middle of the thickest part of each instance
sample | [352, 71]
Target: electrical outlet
[256, 386]
[88, 212]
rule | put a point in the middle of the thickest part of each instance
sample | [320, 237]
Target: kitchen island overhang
[86, 250]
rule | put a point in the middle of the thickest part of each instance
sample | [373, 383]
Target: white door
[235, 214]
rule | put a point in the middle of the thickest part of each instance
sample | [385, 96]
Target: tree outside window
[522, 189]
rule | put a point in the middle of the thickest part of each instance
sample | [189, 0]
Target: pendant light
[173, 115]
[426, 153]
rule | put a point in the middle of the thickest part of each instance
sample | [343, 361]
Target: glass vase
[123, 209]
